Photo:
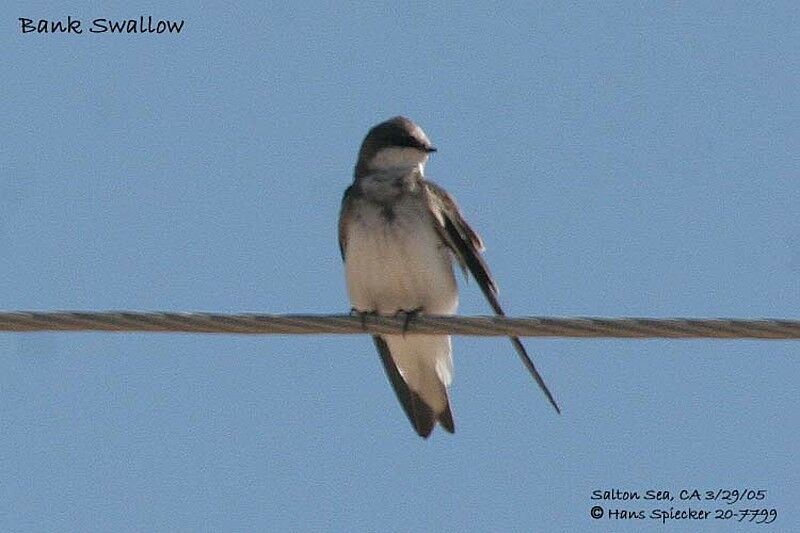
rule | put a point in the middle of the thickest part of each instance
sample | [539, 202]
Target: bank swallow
[398, 235]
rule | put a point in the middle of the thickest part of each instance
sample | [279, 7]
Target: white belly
[400, 264]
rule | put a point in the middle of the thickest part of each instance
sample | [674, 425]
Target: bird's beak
[431, 149]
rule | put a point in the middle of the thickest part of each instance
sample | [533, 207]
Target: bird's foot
[409, 317]
[363, 316]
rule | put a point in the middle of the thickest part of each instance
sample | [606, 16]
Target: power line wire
[259, 324]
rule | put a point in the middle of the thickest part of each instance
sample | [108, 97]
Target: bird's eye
[413, 142]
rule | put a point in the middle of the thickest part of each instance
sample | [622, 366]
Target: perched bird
[398, 235]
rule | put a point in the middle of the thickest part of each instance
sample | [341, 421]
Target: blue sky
[619, 160]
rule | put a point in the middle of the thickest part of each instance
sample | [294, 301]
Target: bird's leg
[362, 315]
[409, 317]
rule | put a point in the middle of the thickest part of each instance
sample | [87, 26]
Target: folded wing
[467, 247]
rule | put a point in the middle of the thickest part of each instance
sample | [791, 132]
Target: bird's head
[397, 143]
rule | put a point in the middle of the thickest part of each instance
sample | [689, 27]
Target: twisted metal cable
[258, 324]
